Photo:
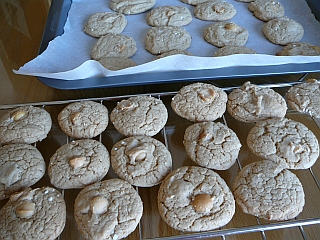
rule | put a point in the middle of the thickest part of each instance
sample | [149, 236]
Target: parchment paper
[68, 56]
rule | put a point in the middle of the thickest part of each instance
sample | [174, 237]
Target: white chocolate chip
[99, 205]
[202, 203]
[25, 210]
[232, 27]
[77, 162]
[126, 105]
[18, 115]
[207, 95]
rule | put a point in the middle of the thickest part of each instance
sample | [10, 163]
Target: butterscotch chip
[132, 6]
[283, 31]
[284, 141]
[166, 38]
[215, 11]
[266, 9]
[305, 97]
[200, 102]
[78, 164]
[84, 119]
[33, 214]
[114, 45]
[139, 115]
[169, 16]
[251, 103]
[142, 161]
[110, 209]
[102, 23]
[21, 166]
[25, 124]
[226, 34]
[266, 190]
[212, 145]
[194, 198]
[299, 48]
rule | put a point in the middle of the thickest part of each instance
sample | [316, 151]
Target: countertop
[22, 26]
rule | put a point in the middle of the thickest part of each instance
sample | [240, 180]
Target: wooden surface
[22, 24]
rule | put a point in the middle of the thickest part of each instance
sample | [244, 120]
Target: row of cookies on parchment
[211, 145]
[167, 35]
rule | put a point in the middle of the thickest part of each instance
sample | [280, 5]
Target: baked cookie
[283, 31]
[299, 48]
[139, 115]
[251, 103]
[215, 11]
[142, 161]
[193, 2]
[173, 52]
[21, 166]
[169, 16]
[200, 102]
[194, 198]
[33, 214]
[114, 45]
[84, 119]
[212, 145]
[266, 10]
[166, 38]
[132, 6]
[115, 63]
[230, 50]
[26, 124]
[284, 141]
[305, 97]
[110, 209]
[222, 34]
[78, 164]
[266, 190]
[102, 23]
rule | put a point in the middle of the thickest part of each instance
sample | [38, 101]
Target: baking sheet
[68, 56]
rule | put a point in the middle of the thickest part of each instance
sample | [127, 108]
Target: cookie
[265, 190]
[21, 166]
[33, 214]
[142, 161]
[251, 103]
[222, 34]
[193, 198]
[102, 23]
[212, 145]
[193, 2]
[132, 6]
[114, 45]
[169, 16]
[305, 97]
[215, 11]
[266, 10]
[110, 209]
[230, 50]
[200, 102]
[115, 64]
[26, 124]
[166, 38]
[78, 164]
[173, 52]
[284, 141]
[283, 31]
[84, 119]
[299, 48]
[139, 115]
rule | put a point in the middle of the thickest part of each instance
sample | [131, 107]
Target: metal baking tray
[242, 226]
[57, 17]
